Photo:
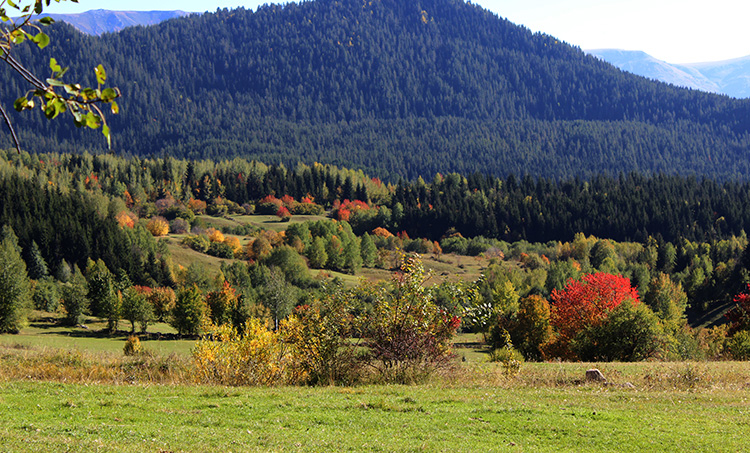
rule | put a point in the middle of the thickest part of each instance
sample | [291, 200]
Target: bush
[739, 345]
[256, 357]
[221, 250]
[510, 357]
[199, 243]
[630, 333]
[320, 337]
[132, 346]
[409, 336]
[158, 226]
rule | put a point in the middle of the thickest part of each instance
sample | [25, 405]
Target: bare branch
[10, 127]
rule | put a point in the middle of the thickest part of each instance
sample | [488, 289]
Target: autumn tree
[163, 300]
[739, 315]
[222, 304]
[585, 303]
[532, 328]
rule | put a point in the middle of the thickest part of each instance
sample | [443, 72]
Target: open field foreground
[673, 407]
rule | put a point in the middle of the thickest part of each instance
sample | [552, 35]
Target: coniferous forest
[398, 89]
[601, 205]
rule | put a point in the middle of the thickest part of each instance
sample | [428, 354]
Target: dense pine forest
[398, 89]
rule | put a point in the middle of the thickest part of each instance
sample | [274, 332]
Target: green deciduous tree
[75, 299]
[136, 309]
[188, 315]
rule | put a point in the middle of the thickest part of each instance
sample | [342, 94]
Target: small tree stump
[594, 375]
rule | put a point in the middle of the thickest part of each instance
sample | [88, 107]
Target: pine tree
[37, 266]
[15, 291]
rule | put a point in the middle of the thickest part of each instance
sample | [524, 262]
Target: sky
[676, 31]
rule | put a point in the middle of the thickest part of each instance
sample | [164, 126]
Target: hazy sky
[677, 31]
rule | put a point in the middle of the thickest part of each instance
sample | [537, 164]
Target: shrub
[158, 226]
[256, 357]
[630, 333]
[199, 243]
[511, 358]
[320, 339]
[408, 336]
[739, 345]
[132, 346]
[221, 250]
[179, 226]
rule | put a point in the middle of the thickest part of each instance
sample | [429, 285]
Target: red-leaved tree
[739, 315]
[586, 302]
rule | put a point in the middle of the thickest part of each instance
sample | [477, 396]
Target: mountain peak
[98, 21]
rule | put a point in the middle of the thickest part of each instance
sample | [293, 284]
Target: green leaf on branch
[105, 131]
[92, 120]
[54, 66]
[46, 20]
[21, 104]
[41, 40]
[108, 95]
[101, 75]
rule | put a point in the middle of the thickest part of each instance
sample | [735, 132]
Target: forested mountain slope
[398, 88]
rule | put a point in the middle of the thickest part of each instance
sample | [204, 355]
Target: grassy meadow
[497, 415]
[62, 391]
[72, 389]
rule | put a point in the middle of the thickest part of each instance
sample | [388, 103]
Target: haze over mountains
[98, 21]
[395, 88]
[730, 77]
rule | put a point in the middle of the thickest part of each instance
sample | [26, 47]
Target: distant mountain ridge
[730, 77]
[98, 21]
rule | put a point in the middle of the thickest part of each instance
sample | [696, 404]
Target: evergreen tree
[15, 290]
[37, 266]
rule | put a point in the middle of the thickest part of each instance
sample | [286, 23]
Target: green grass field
[71, 389]
[38, 416]
[44, 331]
